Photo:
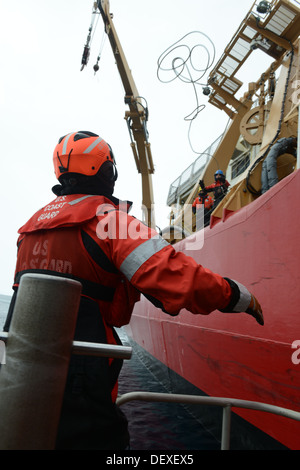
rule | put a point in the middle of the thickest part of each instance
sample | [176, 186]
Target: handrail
[124, 352]
[101, 349]
[225, 403]
[93, 349]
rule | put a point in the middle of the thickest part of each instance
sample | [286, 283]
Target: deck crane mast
[136, 117]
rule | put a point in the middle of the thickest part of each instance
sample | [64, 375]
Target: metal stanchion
[38, 351]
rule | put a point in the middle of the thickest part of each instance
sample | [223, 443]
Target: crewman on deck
[203, 199]
[219, 187]
[86, 234]
[269, 176]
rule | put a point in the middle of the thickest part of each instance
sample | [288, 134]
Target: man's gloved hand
[243, 301]
[201, 184]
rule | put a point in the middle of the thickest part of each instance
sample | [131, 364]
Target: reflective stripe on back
[72, 203]
[141, 254]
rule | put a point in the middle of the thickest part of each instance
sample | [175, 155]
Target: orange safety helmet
[83, 153]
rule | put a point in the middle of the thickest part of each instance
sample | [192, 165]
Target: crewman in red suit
[203, 199]
[219, 187]
[86, 234]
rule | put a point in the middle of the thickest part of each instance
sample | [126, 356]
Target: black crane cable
[249, 186]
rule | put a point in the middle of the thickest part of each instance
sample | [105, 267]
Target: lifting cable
[184, 67]
[91, 33]
[86, 50]
[96, 66]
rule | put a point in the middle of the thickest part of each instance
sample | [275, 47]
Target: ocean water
[4, 304]
[152, 426]
[158, 426]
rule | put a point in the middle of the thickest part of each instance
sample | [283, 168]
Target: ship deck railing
[125, 352]
[226, 403]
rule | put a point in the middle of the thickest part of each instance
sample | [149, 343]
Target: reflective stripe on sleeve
[140, 255]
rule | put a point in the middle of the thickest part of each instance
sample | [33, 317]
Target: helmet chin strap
[62, 168]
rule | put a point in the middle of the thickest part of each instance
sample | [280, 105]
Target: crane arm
[136, 117]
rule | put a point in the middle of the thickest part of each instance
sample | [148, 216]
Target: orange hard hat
[81, 152]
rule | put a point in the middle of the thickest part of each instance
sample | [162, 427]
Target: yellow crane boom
[136, 117]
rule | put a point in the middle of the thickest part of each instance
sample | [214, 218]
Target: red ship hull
[230, 355]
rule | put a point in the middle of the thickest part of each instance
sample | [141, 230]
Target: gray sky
[44, 95]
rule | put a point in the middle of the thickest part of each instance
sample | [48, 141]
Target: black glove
[201, 184]
[243, 301]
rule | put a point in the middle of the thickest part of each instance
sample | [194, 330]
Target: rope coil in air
[180, 60]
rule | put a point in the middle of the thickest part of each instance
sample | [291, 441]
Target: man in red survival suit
[219, 187]
[77, 235]
[203, 199]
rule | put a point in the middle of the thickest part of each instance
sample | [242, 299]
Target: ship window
[249, 32]
[240, 49]
[295, 2]
[229, 66]
[279, 22]
[239, 165]
[219, 98]
[230, 86]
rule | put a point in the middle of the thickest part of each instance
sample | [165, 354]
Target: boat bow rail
[226, 403]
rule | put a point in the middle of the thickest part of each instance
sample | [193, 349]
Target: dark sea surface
[158, 426]
[4, 304]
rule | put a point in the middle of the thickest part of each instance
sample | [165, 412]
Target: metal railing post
[226, 426]
[38, 351]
